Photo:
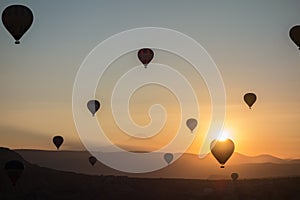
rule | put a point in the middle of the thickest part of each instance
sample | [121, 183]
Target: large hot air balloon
[92, 160]
[234, 176]
[222, 150]
[93, 106]
[17, 19]
[145, 55]
[58, 140]
[14, 170]
[295, 35]
[168, 157]
[250, 99]
[191, 124]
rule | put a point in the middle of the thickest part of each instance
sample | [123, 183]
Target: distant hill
[238, 158]
[188, 166]
[44, 183]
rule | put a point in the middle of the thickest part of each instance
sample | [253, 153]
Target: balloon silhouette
[168, 157]
[93, 106]
[250, 99]
[145, 55]
[222, 150]
[191, 124]
[92, 160]
[295, 35]
[17, 19]
[14, 170]
[58, 140]
[234, 176]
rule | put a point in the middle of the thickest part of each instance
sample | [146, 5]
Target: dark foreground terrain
[44, 183]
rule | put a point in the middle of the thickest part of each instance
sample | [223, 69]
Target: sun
[224, 136]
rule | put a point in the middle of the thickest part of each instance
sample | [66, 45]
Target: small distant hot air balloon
[145, 55]
[234, 176]
[14, 170]
[92, 160]
[17, 19]
[58, 140]
[93, 106]
[250, 99]
[222, 150]
[191, 124]
[168, 157]
[295, 35]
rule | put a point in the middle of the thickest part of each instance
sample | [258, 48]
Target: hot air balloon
[191, 124]
[250, 99]
[234, 176]
[17, 19]
[222, 150]
[145, 55]
[14, 170]
[92, 160]
[295, 35]
[168, 157]
[93, 106]
[58, 140]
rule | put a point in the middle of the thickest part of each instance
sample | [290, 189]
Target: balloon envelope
[250, 99]
[58, 140]
[14, 170]
[92, 160]
[17, 19]
[191, 124]
[234, 176]
[168, 157]
[145, 55]
[222, 150]
[295, 35]
[93, 106]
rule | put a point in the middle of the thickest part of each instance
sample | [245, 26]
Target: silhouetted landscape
[39, 182]
[189, 166]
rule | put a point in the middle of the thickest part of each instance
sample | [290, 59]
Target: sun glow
[224, 135]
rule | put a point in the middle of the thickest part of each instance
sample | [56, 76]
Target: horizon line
[74, 150]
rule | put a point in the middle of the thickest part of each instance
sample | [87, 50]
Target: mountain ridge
[236, 153]
[188, 166]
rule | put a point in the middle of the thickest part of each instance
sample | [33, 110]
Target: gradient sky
[248, 40]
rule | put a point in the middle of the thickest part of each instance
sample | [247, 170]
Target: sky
[248, 41]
